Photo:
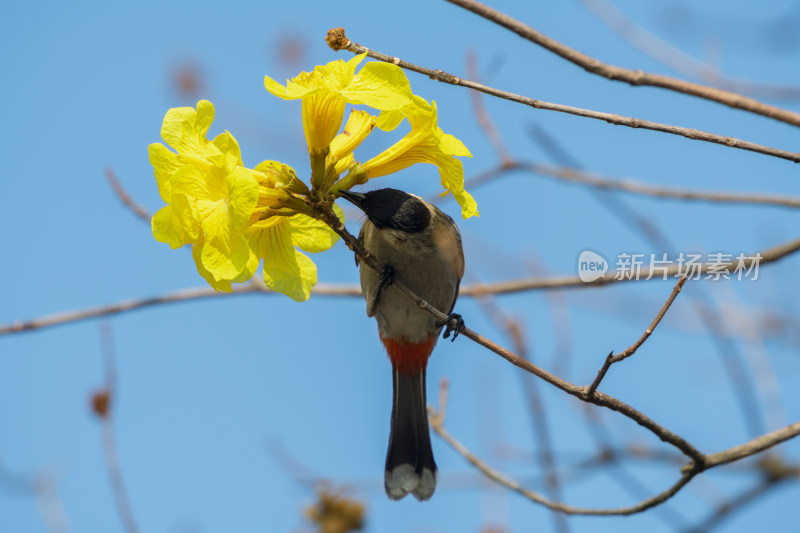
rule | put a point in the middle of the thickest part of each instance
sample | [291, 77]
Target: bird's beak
[355, 198]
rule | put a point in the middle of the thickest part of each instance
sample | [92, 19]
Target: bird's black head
[390, 208]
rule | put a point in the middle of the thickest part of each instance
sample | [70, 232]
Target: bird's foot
[454, 324]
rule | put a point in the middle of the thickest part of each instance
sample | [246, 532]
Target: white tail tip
[403, 479]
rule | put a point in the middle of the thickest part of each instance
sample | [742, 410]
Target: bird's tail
[409, 462]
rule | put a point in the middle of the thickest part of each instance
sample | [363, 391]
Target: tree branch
[632, 77]
[102, 404]
[437, 424]
[339, 42]
[591, 179]
[195, 293]
[759, 444]
[611, 359]
[338, 290]
[700, 462]
[667, 54]
[598, 398]
[125, 198]
[689, 471]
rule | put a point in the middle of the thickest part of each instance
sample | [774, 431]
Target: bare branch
[195, 293]
[497, 477]
[699, 463]
[609, 458]
[759, 444]
[663, 52]
[632, 77]
[347, 290]
[728, 351]
[126, 199]
[611, 359]
[767, 256]
[611, 118]
[689, 471]
[329, 217]
[598, 398]
[591, 179]
[101, 402]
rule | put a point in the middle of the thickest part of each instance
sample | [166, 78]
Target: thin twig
[632, 77]
[631, 218]
[598, 398]
[109, 440]
[592, 179]
[699, 463]
[499, 478]
[667, 54]
[767, 256]
[759, 444]
[194, 293]
[729, 352]
[126, 199]
[611, 118]
[611, 359]
[609, 459]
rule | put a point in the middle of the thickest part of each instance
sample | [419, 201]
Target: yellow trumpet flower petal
[312, 235]
[425, 143]
[285, 270]
[359, 125]
[327, 89]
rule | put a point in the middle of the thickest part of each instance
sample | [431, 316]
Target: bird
[420, 247]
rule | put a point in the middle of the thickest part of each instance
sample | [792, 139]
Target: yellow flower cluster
[234, 217]
[382, 86]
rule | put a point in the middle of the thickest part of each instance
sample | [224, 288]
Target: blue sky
[209, 390]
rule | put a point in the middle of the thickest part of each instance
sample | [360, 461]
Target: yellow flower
[359, 125]
[210, 194]
[275, 232]
[231, 215]
[184, 129]
[235, 217]
[382, 86]
[425, 143]
[325, 91]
